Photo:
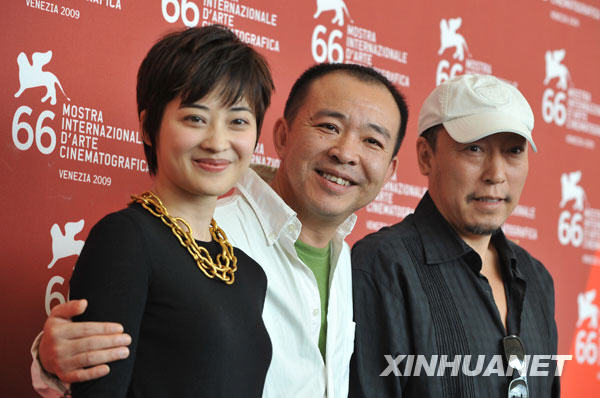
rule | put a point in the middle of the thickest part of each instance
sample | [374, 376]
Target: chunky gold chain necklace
[226, 263]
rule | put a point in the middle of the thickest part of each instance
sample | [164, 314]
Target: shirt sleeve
[113, 274]
[553, 327]
[381, 332]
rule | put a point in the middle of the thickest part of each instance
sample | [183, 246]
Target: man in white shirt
[338, 140]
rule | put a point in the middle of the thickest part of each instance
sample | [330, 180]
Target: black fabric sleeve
[113, 274]
[554, 332]
[380, 316]
[546, 305]
[549, 283]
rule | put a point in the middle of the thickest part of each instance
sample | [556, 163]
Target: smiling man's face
[337, 151]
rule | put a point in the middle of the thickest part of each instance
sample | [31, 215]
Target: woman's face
[204, 147]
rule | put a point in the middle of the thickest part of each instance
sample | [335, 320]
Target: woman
[162, 267]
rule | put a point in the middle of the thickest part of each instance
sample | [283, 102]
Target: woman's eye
[194, 119]
[239, 122]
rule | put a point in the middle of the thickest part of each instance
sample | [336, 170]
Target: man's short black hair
[191, 64]
[365, 74]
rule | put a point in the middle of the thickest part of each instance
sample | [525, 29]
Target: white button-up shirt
[260, 223]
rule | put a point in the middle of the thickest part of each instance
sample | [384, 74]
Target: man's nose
[495, 168]
[346, 149]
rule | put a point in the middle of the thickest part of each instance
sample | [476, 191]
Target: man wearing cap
[443, 299]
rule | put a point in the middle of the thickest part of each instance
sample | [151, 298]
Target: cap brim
[475, 127]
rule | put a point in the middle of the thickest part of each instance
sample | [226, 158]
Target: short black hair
[431, 135]
[365, 74]
[190, 64]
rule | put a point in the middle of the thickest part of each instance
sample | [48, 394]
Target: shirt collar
[439, 239]
[346, 227]
[506, 252]
[272, 212]
[442, 243]
[275, 216]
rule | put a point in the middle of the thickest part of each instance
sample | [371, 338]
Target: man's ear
[424, 156]
[391, 168]
[145, 137]
[281, 131]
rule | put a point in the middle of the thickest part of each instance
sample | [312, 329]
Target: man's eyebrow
[338, 115]
[331, 113]
[380, 130]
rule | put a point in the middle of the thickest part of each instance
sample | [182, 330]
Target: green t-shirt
[318, 260]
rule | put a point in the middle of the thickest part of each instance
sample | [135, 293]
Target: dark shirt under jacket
[191, 336]
[418, 290]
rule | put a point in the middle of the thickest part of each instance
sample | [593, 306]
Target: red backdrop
[71, 149]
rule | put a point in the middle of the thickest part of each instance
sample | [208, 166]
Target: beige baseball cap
[474, 106]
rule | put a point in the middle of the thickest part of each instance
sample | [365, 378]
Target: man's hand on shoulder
[79, 351]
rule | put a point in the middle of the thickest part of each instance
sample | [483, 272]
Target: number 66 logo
[586, 347]
[40, 131]
[554, 109]
[326, 51]
[570, 231]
